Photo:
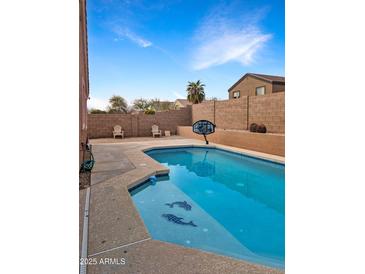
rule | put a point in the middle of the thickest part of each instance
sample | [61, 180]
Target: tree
[196, 92]
[150, 111]
[159, 105]
[130, 110]
[97, 111]
[117, 104]
[152, 104]
[155, 103]
[141, 104]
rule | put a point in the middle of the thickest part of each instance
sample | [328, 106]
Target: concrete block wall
[236, 114]
[268, 110]
[101, 125]
[231, 114]
[203, 111]
[140, 124]
[240, 113]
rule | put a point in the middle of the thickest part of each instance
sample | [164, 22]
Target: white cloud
[126, 33]
[97, 103]
[221, 39]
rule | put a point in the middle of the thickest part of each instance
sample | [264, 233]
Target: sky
[151, 49]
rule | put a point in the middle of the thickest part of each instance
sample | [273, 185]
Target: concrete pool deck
[117, 231]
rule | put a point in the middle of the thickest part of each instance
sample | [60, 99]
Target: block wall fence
[234, 114]
[139, 124]
[240, 113]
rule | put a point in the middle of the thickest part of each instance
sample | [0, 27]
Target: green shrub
[149, 111]
[97, 111]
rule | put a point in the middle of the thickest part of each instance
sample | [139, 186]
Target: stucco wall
[278, 88]
[248, 86]
[267, 143]
[83, 78]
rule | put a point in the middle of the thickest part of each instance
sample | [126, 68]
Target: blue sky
[151, 49]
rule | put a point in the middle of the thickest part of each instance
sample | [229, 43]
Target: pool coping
[101, 202]
[162, 170]
[245, 153]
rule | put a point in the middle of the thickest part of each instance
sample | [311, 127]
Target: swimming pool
[217, 201]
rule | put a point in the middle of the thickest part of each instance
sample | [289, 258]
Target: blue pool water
[237, 203]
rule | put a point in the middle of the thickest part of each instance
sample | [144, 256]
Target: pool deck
[117, 231]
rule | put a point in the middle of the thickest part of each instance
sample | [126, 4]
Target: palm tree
[196, 92]
[117, 104]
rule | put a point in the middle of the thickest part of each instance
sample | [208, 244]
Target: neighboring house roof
[166, 102]
[183, 102]
[273, 79]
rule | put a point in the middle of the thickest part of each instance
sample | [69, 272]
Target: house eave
[257, 77]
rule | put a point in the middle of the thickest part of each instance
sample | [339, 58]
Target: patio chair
[117, 131]
[156, 131]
